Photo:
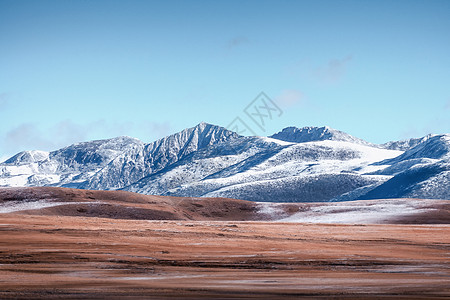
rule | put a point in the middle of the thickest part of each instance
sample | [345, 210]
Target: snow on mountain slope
[404, 145]
[297, 188]
[306, 164]
[212, 161]
[315, 171]
[434, 187]
[65, 167]
[432, 147]
[430, 181]
[144, 160]
[312, 134]
[27, 157]
[107, 164]
[432, 150]
[421, 172]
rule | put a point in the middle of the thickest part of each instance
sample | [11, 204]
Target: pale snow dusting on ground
[274, 210]
[14, 206]
[357, 212]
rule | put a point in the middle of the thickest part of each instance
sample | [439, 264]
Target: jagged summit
[188, 140]
[200, 136]
[312, 134]
[26, 157]
[137, 163]
[432, 146]
[405, 144]
[98, 152]
[75, 151]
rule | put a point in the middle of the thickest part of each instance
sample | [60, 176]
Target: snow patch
[274, 210]
[14, 206]
[358, 213]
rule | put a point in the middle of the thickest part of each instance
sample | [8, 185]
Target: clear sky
[73, 71]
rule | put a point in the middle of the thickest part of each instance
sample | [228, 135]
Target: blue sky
[72, 71]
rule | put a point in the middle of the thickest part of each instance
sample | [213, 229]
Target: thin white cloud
[411, 132]
[29, 136]
[447, 105]
[289, 98]
[4, 101]
[25, 136]
[438, 125]
[158, 129]
[112, 129]
[237, 41]
[333, 71]
[68, 132]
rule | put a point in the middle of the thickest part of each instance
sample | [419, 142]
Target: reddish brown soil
[132, 206]
[62, 257]
[126, 205]
[118, 245]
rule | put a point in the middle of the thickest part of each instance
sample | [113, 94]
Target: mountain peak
[203, 125]
[432, 146]
[312, 134]
[207, 126]
[138, 163]
[26, 157]
[404, 145]
[200, 133]
[201, 136]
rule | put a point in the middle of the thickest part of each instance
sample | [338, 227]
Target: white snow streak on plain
[272, 209]
[347, 212]
[13, 206]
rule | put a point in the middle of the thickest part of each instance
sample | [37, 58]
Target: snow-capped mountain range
[307, 164]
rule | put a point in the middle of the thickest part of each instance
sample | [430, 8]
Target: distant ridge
[309, 164]
[313, 134]
[405, 144]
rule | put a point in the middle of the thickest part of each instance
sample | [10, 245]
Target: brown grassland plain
[53, 257]
[53, 253]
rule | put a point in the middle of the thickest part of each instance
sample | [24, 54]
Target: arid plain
[198, 250]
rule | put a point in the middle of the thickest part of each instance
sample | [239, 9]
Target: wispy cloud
[29, 136]
[4, 101]
[333, 71]
[411, 132]
[111, 129]
[26, 136]
[289, 98]
[237, 41]
[68, 132]
[329, 72]
[438, 125]
[447, 105]
[158, 129]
